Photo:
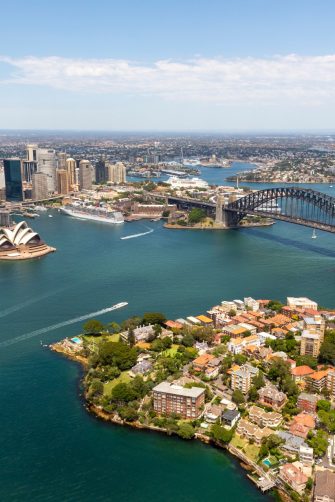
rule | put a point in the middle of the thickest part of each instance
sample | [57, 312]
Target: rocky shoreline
[98, 412]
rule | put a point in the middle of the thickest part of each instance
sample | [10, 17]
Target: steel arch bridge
[302, 206]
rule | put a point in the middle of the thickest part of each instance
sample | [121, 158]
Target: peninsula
[255, 377]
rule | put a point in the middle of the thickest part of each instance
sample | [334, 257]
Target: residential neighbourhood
[253, 376]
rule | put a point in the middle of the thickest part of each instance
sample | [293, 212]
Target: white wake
[41, 331]
[133, 236]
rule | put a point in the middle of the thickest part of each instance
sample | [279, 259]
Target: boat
[50, 215]
[330, 186]
[87, 212]
[314, 236]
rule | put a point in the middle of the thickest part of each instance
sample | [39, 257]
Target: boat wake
[15, 308]
[133, 236]
[53, 327]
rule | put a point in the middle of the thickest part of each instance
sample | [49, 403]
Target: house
[238, 345]
[292, 443]
[294, 477]
[141, 368]
[204, 320]
[230, 417]
[252, 432]
[213, 367]
[271, 396]
[141, 333]
[234, 331]
[251, 303]
[305, 419]
[307, 402]
[213, 413]
[324, 489]
[173, 324]
[200, 363]
[300, 373]
[306, 455]
[299, 430]
[264, 418]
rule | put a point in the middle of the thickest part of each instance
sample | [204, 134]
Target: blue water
[51, 448]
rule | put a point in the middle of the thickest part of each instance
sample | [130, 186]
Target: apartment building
[170, 398]
[302, 303]
[310, 343]
[264, 418]
[294, 477]
[307, 402]
[252, 432]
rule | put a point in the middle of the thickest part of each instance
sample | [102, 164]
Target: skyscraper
[62, 181]
[101, 171]
[71, 170]
[30, 162]
[47, 164]
[61, 157]
[117, 173]
[40, 186]
[85, 175]
[13, 179]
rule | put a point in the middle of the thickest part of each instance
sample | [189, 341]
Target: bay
[51, 448]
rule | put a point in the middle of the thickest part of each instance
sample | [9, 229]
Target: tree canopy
[117, 354]
[93, 327]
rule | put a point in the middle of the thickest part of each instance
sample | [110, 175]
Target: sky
[172, 65]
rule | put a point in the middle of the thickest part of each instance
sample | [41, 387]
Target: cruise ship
[85, 212]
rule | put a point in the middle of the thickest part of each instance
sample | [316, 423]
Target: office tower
[30, 162]
[85, 175]
[101, 172]
[117, 173]
[13, 179]
[61, 157]
[62, 181]
[47, 164]
[71, 165]
[40, 186]
[5, 220]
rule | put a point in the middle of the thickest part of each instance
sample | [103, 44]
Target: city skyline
[197, 66]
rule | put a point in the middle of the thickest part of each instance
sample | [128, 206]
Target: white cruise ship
[92, 213]
[176, 182]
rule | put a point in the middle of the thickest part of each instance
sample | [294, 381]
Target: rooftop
[170, 388]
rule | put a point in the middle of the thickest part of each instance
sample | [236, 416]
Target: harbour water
[51, 448]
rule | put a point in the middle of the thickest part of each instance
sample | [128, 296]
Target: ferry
[93, 213]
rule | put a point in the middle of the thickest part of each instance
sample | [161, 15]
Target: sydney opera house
[21, 243]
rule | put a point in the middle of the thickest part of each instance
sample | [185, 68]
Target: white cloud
[290, 79]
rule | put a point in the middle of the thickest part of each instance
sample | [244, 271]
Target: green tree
[186, 431]
[93, 327]
[324, 405]
[95, 389]
[258, 380]
[154, 318]
[188, 340]
[117, 354]
[237, 397]
[113, 327]
[220, 434]
[128, 413]
[196, 215]
[319, 443]
[310, 361]
[131, 337]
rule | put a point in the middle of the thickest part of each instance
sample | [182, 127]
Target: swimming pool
[267, 462]
[75, 339]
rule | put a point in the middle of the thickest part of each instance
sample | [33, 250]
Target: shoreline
[187, 227]
[283, 182]
[244, 462]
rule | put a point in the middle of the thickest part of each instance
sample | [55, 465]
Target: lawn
[251, 450]
[123, 378]
[99, 339]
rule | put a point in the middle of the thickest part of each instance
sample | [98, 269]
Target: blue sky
[187, 65]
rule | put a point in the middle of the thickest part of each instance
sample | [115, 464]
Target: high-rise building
[62, 181]
[101, 171]
[30, 162]
[61, 157]
[170, 398]
[310, 344]
[85, 175]
[40, 186]
[117, 173]
[47, 164]
[71, 165]
[13, 179]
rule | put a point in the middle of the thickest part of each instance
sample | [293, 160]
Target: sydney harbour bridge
[302, 206]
